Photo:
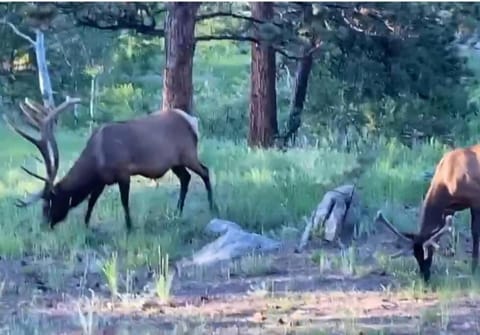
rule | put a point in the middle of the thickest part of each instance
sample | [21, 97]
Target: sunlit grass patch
[263, 189]
[397, 173]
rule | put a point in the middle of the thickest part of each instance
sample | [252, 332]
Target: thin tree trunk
[263, 105]
[92, 100]
[304, 67]
[43, 75]
[180, 47]
[75, 107]
[42, 68]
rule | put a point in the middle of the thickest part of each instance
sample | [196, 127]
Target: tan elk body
[148, 146]
[455, 186]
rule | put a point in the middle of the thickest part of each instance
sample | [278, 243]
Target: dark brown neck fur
[434, 206]
[79, 181]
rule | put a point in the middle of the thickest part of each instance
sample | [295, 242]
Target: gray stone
[234, 243]
[219, 226]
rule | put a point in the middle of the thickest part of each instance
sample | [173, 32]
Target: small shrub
[111, 274]
[163, 283]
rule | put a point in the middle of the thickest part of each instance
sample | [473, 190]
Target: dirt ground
[292, 297]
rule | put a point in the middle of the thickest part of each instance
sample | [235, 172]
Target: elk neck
[433, 210]
[79, 181]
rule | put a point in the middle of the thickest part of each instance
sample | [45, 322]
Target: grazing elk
[455, 186]
[148, 146]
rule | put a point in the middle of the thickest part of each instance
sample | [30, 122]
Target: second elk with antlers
[148, 146]
[455, 186]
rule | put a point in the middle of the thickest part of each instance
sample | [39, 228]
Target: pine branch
[147, 30]
[252, 39]
[209, 16]
[226, 37]
[18, 32]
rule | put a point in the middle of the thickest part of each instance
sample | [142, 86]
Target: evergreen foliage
[382, 68]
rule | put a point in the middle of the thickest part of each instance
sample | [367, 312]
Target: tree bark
[263, 104]
[304, 67]
[180, 47]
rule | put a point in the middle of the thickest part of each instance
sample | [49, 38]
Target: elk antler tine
[21, 132]
[33, 121]
[20, 203]
[381, 219]
[37, 159]
[36, 107]
[40, 117]
[33, 174]
[400, 253]
[446, 227]
[69, 101]
[30, 199]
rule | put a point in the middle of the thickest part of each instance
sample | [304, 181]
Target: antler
[406, 250]
[431, 240]
[42, 119]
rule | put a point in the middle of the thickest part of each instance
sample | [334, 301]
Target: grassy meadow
[262, 190]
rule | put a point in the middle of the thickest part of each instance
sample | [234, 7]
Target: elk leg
[203, 172]
[92, 200]
[475, 227]
[124, 187]
[184, 177]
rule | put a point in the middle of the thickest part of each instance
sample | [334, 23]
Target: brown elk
[148, 146]
[455, 186]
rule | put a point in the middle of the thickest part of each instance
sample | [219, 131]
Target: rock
[219, 226]
[235, 242]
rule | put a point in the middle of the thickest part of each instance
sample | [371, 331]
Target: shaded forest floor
[281, 293]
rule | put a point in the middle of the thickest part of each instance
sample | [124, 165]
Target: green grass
[262, 190]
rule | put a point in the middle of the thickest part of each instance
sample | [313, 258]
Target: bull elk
[455, 186]
[148, 146]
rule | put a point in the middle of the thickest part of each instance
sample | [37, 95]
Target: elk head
[42, 119]
[421, 247]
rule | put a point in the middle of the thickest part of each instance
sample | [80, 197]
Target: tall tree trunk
[180, 47]
[304, 67]
[263, 96]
